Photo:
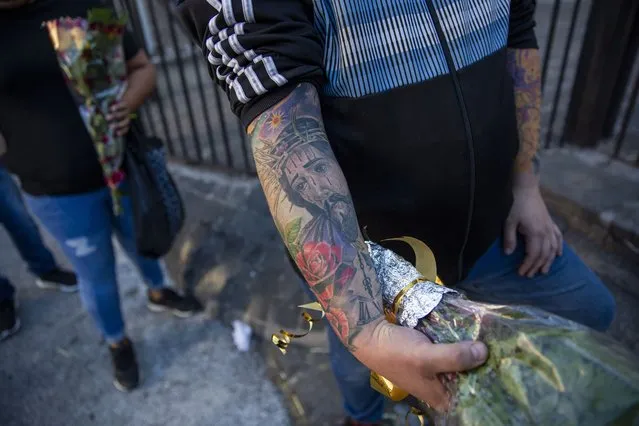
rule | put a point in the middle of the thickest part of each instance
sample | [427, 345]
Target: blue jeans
[83, 225]
[23, 232]
[570, 290]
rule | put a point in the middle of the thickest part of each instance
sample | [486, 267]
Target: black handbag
[158, 210]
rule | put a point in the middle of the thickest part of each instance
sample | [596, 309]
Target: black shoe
[9, 322]
[169, 300]
[58, 279]
[125, 367]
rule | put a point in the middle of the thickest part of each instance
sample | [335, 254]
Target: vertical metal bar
[144, 117]
[133, 20]
[551, 37]
[197, 61]
[562, 73]
[185, 88]
[626, 119]
[622, 81]
[155, 98]
[165, 125]
[243, 144]
[225, 133]
[608, 30]
[251, 167]
[133, 13]
[581, 87]
[145, 26]
[167, 77]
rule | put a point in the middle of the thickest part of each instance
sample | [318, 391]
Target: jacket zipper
[467, 128]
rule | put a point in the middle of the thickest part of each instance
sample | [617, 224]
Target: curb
[603, 231]
[601, 228]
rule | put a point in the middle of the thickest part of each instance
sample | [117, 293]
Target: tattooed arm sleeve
[524, 65]
[312, 208]
[267, 57]
[525, 68]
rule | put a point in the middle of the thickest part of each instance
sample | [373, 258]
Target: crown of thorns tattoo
[299, 132]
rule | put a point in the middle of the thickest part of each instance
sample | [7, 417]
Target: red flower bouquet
[91, 56]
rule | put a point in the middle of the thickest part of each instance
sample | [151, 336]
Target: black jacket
[416, 99]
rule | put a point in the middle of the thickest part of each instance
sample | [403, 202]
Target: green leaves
[291, 232]
[105, 16]
[542, 370]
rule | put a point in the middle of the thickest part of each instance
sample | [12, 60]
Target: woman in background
[49, 149]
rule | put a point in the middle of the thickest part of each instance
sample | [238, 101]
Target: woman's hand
[140, 85]
[119, 117]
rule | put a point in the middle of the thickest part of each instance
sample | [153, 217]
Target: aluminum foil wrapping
[395, 273]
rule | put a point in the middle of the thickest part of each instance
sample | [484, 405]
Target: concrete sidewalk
[56, 370]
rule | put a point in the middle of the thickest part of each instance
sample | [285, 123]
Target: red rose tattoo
[339, 321]
[323, 269]
[318, 261]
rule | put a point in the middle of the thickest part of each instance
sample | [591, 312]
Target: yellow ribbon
[391, 315]
[417, 413]
[283, 338]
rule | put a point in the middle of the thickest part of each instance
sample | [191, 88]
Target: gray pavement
[56, 370]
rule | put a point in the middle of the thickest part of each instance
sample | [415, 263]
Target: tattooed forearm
[312, 208]
[525, 67]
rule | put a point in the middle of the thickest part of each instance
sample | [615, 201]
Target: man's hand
[408, 359]
[529, 216]
[119, 117]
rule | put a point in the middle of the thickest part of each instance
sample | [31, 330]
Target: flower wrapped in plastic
[91, 55]
[541, 370]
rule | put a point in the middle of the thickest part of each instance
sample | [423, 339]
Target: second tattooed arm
[524, 66]
[312, 207]
[529, 215]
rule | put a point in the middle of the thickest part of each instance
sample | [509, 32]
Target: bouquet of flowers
[541, 370]
[91, 55]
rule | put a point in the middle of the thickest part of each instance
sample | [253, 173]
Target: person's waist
[39, 187]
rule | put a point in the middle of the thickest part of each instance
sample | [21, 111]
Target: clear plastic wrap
[541, 370]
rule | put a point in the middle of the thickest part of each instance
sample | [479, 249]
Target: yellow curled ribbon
[283, 338]
[417, 413]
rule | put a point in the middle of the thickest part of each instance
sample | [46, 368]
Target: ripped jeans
[83, 226]
[570, 290]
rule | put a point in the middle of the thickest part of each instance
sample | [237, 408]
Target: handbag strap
[136, 135]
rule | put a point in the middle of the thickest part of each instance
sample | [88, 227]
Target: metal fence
[600, 70]
[188, 111]
[590, 82]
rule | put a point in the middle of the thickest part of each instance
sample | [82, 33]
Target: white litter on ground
[241, 335]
